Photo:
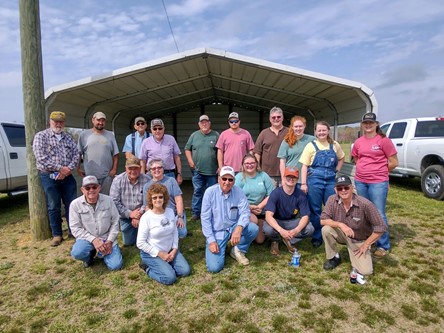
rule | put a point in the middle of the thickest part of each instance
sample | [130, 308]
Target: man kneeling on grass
[354, 221]
[225, 218]
[95, 225]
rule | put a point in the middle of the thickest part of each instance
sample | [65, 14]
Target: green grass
[42, 289]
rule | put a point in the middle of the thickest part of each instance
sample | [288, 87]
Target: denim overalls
[321, 183]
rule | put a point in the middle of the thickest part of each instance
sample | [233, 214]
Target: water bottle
[295, 259]
[100, 254]
[353, 275]
[54, 175]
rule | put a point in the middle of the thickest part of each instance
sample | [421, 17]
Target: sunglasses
[140, 123]
[225, 179]
[276, 117]
[157, 128]
[342, 188]
[93, 187]
[156, 168]
[234, 121]
[291, 178]
[157, 197]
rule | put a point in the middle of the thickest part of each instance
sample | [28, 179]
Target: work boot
[56, 240]
[239, 256]
[274, 249]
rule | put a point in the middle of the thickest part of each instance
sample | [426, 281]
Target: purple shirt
[164, 150]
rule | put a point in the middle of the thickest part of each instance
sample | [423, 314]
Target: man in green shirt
[201, 153]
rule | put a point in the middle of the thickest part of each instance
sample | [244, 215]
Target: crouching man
[95, 225]
[225, 218]
[354, 221]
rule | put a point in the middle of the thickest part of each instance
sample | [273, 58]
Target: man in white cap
[225, 219]
[233, 144]
[133, 141]
[287, 214]
[201, 153]
[164, 147]
[56, 156]
[100, 153]
[95, 225]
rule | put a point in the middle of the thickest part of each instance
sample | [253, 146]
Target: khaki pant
[332, 236]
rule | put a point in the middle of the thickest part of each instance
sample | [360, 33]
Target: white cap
[99, 115]
[233, 115]
[226, 170]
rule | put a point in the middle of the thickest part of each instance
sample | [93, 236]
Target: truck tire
[432, 182]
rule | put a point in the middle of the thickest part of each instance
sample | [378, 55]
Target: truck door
[397, 135]
[3, 175]
[15, 154]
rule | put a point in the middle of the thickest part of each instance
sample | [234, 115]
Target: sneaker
[290, 247]
[143, 266]
[360, 279]
[90, 261]
[380, 253]
[316, 243]
[332, 263]
[274, 250]
[56, 241]
[194, 218]
[239, 256]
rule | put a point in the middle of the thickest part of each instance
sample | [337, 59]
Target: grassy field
[43, 290]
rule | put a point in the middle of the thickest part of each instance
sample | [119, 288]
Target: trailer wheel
[432, 182]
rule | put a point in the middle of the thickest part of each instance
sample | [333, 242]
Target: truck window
[398, 130]
[15, 135]
[432, 128]
[384, 128]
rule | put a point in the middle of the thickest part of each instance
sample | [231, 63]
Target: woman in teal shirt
[257, 186]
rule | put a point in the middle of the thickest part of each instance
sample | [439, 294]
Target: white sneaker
[360, 278]
[239, 256]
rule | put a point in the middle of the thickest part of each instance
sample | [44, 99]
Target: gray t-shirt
[98, 151]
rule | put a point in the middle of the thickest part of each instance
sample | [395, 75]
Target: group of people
[283, 187]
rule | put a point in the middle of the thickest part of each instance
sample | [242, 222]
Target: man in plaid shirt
[56, 156]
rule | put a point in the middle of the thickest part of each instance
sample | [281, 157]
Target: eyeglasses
[230, 180]
[156, 168]
[157, 128]
[276, 117]
[249, 163]
[93, 187]
[140, 123]
[234, 121]
[342, 188]
[157, 197]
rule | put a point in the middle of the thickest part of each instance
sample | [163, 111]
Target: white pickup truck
[13, 171]
[420, 146]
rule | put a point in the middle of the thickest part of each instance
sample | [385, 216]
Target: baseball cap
[226, 170]
[132, 162]
[88, 180]
[289, 171]
[204, 117]
[343, 180]
[57, 116]
[156, 122]
[99, 115]
[233, 115]
[139, 119]
[369, 117]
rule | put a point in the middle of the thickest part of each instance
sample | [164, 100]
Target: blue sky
[396, 48]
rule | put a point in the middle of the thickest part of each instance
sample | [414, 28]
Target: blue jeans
[274, 236]
[377, 193]
[129, 233]
[216, 261]
[319, 190]
[165, 272]
[82, 248]
[200, 184]
[56, 191]
[183, 231]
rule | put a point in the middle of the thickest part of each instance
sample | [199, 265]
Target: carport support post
[34, 102]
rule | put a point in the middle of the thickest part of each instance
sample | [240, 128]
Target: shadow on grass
[399, 232]
[413, 184]
[13, 209]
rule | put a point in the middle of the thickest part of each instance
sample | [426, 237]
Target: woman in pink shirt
[375, 156]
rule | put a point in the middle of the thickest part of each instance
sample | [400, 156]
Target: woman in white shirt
[158, 239]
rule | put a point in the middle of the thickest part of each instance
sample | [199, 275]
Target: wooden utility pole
[34, 105]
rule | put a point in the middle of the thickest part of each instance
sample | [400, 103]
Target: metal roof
[192, 79]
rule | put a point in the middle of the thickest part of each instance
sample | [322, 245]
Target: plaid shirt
[363, 216]
[52, 154]
[127, 196]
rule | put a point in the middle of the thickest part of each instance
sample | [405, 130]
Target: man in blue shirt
[225, 218]
[287, 214]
